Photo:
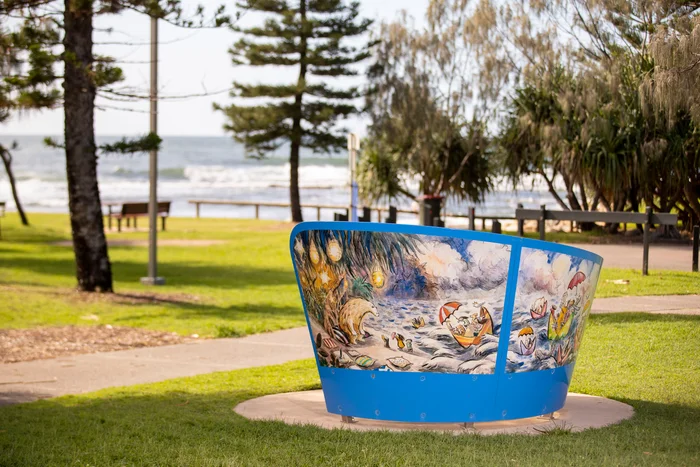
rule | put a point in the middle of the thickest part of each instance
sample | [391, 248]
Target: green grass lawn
[648, 361]
[242, 286]
[593, 236]
[245, 285]
[658, 282]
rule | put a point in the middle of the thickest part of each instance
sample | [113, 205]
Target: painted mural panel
[552, 302]
[401, 302]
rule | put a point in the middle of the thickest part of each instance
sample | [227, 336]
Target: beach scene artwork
[552, 303]
[390, 301]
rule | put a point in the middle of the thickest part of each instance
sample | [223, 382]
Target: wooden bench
[135, 210]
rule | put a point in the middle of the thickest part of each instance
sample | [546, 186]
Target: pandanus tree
[564, 127]
[673, 89]
[604, 117]
[418, 97]
[313, 37]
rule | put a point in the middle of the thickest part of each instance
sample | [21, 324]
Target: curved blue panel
[424, 324]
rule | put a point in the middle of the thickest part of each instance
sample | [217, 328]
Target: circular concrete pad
[309, 408]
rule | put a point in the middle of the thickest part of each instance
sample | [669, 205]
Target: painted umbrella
[447, 310]
[577, 279]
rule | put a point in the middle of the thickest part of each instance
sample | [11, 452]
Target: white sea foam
[215, 168]
[267, 176]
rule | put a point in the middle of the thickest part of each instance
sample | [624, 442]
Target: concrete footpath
[658, 304]
[675, 257]
[39, 379]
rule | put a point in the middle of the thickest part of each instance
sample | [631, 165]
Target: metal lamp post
[152, 278]
[353, 146]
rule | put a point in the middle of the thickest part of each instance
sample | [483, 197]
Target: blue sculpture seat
[425, 324]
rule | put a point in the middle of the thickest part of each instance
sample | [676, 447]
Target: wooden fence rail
[257, 204]
[380, 210]
[647, 218]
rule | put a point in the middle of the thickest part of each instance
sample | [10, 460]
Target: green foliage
[31, 48]
[27, 64]
[419, 92]
[361, 288]
[673, 87]
[588, 126]
[311, 37]
[149, 142]
[379, 172]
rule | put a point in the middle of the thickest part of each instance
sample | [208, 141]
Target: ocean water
[216, 168]
[434, 342]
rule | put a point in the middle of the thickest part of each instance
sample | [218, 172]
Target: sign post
[353, 147]
[153, 278]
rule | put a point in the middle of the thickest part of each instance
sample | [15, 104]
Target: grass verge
[242, 286]
[648, 361]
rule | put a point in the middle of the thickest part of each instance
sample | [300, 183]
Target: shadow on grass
[657, 412]
[34, 234]
[244, 318]
[238, 311]
[10, 397]
[191, 423]
[177, 273]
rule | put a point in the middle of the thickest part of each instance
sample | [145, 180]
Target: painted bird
[386, 341]
[400, 340]
[418, 322]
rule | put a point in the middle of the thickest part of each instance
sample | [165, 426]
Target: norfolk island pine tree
[60, 33]
[308, 35]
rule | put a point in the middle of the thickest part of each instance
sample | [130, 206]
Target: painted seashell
[399, 362]
[364, 361]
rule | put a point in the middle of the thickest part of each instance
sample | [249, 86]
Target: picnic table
[133, 210]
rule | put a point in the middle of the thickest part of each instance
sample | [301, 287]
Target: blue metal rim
[446, 232]
[444, 398]
[447, 397]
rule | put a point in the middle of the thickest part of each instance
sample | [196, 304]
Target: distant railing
[379, 210]
[257, 204]
[614, 217]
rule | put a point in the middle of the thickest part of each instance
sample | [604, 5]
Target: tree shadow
[12, 396]
[177, 272]
[33, 234]
[239, 313]
[112, 429]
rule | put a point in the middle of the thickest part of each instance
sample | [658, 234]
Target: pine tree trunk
[94, 271]
[7, 161]
[294, 197]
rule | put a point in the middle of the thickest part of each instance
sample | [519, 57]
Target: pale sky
[194, 62]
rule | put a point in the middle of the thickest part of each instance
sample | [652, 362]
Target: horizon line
[122, 135]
